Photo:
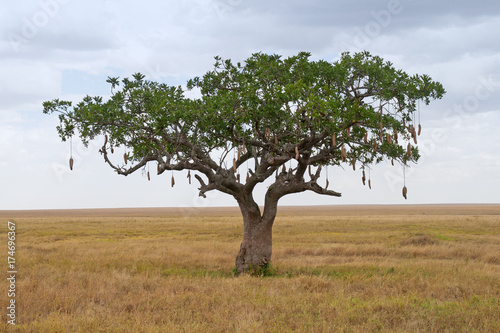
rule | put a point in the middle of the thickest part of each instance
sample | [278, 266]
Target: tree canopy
[271, 106]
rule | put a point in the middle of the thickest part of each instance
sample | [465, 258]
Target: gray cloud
[42, 41]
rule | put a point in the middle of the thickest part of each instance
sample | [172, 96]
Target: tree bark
[256, 247]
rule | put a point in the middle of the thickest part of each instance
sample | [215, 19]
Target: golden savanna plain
[415, 268]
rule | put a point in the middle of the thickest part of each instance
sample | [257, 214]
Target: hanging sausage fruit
[71, 153]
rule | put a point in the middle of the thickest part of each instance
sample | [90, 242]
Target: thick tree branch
[313, 186]
[204, 187]
[286, 184]
[126, 171]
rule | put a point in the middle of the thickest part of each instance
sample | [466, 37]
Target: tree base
[254, 256]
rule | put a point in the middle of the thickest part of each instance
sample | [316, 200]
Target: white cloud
[24, 83]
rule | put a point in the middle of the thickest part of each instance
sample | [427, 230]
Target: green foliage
[274, 106]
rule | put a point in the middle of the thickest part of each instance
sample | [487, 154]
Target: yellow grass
[349, 269]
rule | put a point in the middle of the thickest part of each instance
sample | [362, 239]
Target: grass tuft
[420, 240]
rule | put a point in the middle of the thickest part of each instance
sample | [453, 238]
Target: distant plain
[409, 268]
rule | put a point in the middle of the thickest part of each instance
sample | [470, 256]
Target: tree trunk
[256, 247]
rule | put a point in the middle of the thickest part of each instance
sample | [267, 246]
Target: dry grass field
[335, 269]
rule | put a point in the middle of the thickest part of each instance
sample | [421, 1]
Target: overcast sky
[66, 49]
